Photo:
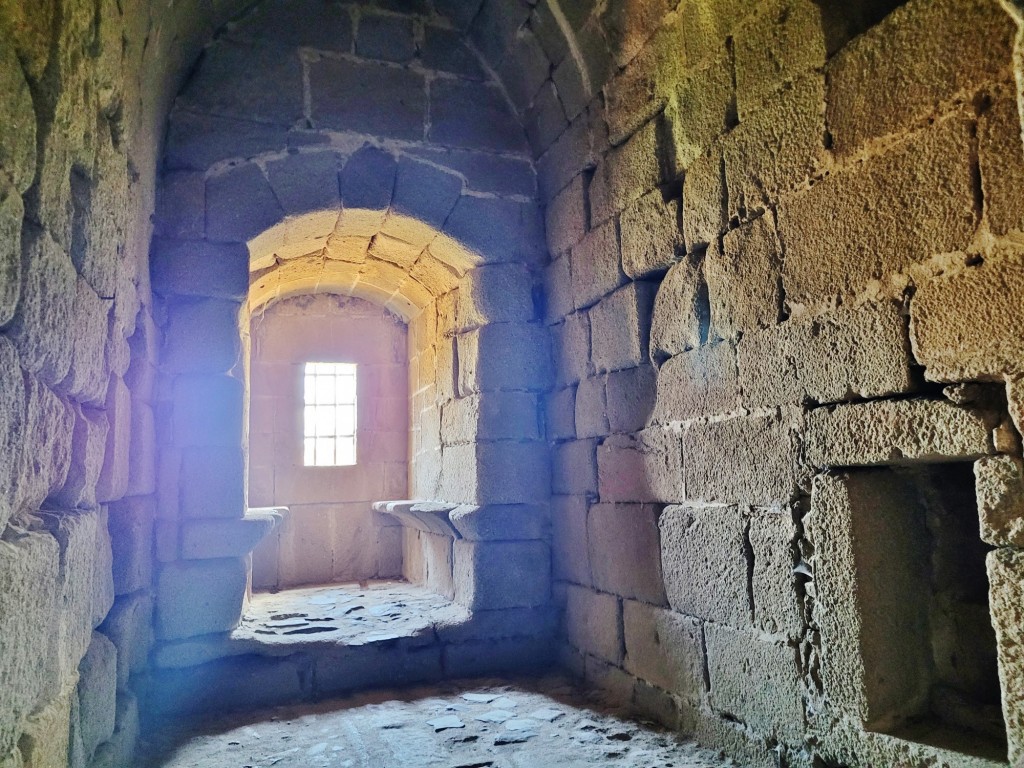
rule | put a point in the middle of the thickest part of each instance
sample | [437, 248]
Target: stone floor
[535, 724]
[351, 614]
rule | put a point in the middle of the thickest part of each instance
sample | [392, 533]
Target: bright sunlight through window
[329, 417]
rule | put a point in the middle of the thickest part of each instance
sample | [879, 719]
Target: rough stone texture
[1002, 167]
[664, 648]
[620, 327]
[702, 552]
[652, 238]
[743, 278]
[895, 432]
[97, 693]
[999, 483]
[198, 597]
[624, 551]
[1005, 572]
[696, 383]
[593, 622]
[681, 315]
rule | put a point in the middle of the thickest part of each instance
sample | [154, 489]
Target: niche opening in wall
[908, 641]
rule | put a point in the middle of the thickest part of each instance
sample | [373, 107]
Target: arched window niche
[439, 235]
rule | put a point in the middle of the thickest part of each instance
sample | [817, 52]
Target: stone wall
[776, 232]
[331, 532]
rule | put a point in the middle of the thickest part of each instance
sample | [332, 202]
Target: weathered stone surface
[490, 416]
[306, 23]
[571, 348]
[681, 314]
[893, 432]
[593, 622]
[522, 348]
[46, 738]
[501, 574]
[643, 467]
[29, 573]
[497, 522]
[744, 278]
[444, 49]
[624, 551]
[305, 182]
[129, 625]
[626, 173]
[772, 547]
[704, 107]
[595, 268]
[1005, 575]
[1002, 164]
[202, 336]
[560, 414]
[425, 193]
[18, 126]
[12, 427]
[207, 539]
[389, 38]
[367, 98]
[999, 484]
[754, 680]
[212, 482]
[113, 479]
[664, 648]
[569, 549]
[88, 444]
[697, 383]
[97, 693]
[49, 425]
[574, 467]
[565, 217]
[181, 206]
[495, 293]
[866, 602]
[848, 353]
[12, 211]
[704, 199]
[199, 268]
[702, 553]
[545, 119]
[629, 398]
[207, 410]
[966, 325]
[495, 229]
[240, 204]
[198, 597]
[621, 326]
[476, 116]
[652, 237]
[833, 248]
[764, 452]
[899, 72]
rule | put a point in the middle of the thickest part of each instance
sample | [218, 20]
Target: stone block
[207, 539]
[304, 182]
[777, 148]
[502, 574]
[297, 23]
[239, 683]
[834, 249]
[1006, 575]
[496, 229]
[501, 522]
[702, 107]
[232, 82]
[621, 326]
[763, 452]
[12, 428]
[898, 73]
[388, 38]
[697, 383]
[240, 204]
[570, 550]
[495, 293]
[207, 411]
[744, 278]
[626, 173]
[496, 472]
[870, 601]
[593, 622]
[557, 290]
[630, 395]
[475, 116]
[756, 681]
[637, 94]
[444, 49]
[367, 188]
[113, 479]
[952, 339]
[848, 353]
[652, 236]
[202, 336]
[485, 171]
[545, 119]
[574, 467]
[29, 594]
[425, 193]
[490, 416]
[198, 268]
[45, 742]
[212, 482]
[566, 217]
[1001, 158]
[896, 432]
[525, 69]
[681, 312]
[12, 212]
[774, 47]
[198, 597]
[625, 553]
[591, 408]
[49, 427]
[629, 27]
[571, 154]
[88, 444]
[368, 98]
[560, 414]
[86, 381]
[999, 485]
[18, 154]
[643, 467]
[704, 199]
[665, 649]
[571, 347]
[97, 693]
[523, 351]
[45, 308]
[772, 546]
[181, 206]
[705, 563]
[438, 564]
[507, 656]
[129, 625]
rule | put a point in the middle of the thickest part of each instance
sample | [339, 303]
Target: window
[329, 415]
